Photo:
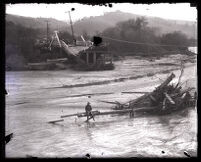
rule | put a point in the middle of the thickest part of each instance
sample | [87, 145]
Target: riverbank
[54, 66]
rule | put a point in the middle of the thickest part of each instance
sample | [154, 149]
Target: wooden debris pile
[166, 98]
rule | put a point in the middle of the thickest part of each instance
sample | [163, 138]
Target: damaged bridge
[82, 55]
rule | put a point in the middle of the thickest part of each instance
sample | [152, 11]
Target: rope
[150, 44]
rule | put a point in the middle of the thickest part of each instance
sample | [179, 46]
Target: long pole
[71, 24]
[47, 29]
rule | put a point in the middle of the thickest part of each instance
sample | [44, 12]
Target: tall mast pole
[47, 29]
[71, 24]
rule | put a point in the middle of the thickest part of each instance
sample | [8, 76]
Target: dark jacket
[88, 108]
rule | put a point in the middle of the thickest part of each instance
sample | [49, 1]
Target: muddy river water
[33, 100]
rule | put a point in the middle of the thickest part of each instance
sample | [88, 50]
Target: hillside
[37, 23]
[99, 23]
[166, 26]
[95, 24]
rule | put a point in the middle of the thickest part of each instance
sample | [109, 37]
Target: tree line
[145, 40]
[19, 42]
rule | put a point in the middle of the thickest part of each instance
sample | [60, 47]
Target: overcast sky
[179, 11]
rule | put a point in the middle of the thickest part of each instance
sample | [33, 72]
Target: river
[34, 99]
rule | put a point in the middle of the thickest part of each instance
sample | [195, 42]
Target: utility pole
[71, 24]
[47, 29]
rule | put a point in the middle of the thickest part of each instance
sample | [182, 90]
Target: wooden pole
[118, 111]
[169, 98]
[164, 101]
[167, 81]
[136, 92]
[71, 25]
[152, 98]
[78, 114]
[54, 121]
[47, 29]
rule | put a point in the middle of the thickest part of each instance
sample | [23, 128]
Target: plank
[166, 82]
[77, 114]
[136, 92]
[119, 111]
[169, 98]
[54, 121]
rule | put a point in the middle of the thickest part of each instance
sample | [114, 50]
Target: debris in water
[187, 154]
[8, 137]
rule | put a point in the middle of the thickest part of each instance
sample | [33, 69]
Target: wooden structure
[165, 98]
[82, 55]
[86, 55]
[96, 56]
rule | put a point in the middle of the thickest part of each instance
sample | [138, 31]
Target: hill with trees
[96, 24]
[37, 23]
[136, 37]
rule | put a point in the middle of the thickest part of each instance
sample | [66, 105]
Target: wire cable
[140, 43]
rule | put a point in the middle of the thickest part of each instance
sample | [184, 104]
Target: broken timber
[94, 113]
[169, 98]
[135, 92]
[78, 114]
[166, 98]
[151, 94]
[55, 121]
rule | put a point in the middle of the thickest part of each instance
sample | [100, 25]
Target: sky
[177, 11]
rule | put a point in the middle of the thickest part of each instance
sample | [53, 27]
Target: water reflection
[88, 130]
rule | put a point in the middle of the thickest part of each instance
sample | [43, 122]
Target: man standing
[88, 110]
